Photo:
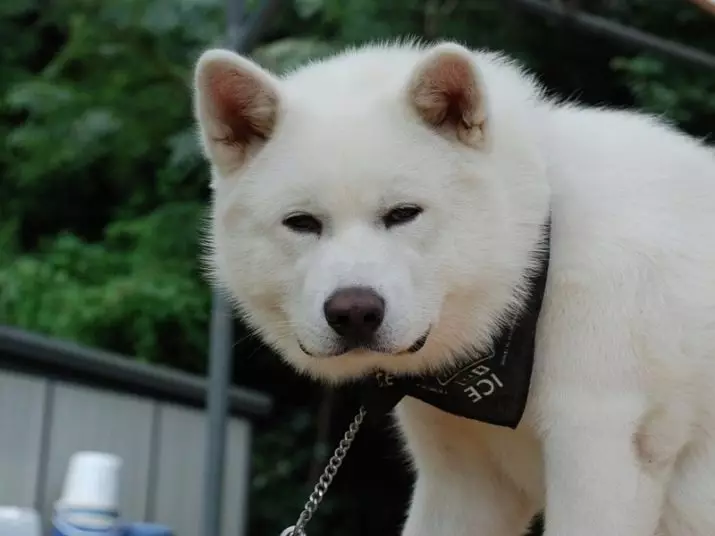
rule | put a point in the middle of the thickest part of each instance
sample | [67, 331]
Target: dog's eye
[401, 215]
[303, 223]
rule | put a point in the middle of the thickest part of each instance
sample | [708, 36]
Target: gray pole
[235, 15]
[220, 346]
[220, 365]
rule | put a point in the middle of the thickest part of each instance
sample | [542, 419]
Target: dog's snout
[355, 313]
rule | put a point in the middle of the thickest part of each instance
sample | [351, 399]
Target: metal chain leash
[327, 477]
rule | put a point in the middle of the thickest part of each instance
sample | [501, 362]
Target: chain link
[327, 477]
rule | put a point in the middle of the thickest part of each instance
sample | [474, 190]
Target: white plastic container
[15, 521]
[92, 481]
[89, 503]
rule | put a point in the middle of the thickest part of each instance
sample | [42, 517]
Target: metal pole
[220, 369]
[618, 32]
[235, 15]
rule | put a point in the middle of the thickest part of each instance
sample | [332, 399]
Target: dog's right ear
[236, 107]
[446, 91]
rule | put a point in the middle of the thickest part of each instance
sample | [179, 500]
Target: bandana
[491, 386]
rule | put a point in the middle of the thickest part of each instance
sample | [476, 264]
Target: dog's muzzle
[355, 315]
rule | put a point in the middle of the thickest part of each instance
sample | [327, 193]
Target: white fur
[618, 437]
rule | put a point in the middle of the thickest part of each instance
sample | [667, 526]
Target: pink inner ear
[241, 104]
[446, 92]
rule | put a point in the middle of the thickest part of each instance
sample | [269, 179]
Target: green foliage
[102, 182]
[103, 186]
[682, 93]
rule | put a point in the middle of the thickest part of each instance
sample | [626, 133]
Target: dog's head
[375, 210]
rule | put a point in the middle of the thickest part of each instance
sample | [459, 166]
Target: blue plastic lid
[147, 529]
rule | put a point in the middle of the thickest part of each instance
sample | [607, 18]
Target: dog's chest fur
[443, 444]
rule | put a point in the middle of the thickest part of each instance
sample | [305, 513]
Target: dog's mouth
[349, 347]
[419, 343]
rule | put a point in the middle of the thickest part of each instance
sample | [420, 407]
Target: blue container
[146, 529]
[69, 521]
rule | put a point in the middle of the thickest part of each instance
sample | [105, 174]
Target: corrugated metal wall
[43, 422]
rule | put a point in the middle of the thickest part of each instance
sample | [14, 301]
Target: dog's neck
[490, 386]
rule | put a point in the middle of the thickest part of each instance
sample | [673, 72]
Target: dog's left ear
[446, 91]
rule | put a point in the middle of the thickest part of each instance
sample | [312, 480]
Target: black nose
[355, 313]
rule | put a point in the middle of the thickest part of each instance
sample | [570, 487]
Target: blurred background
[103, 190]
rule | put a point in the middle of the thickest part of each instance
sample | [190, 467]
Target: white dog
[380, 211]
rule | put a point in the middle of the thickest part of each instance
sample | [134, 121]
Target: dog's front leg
[474, 502]
[595, 483]
[590, 393]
